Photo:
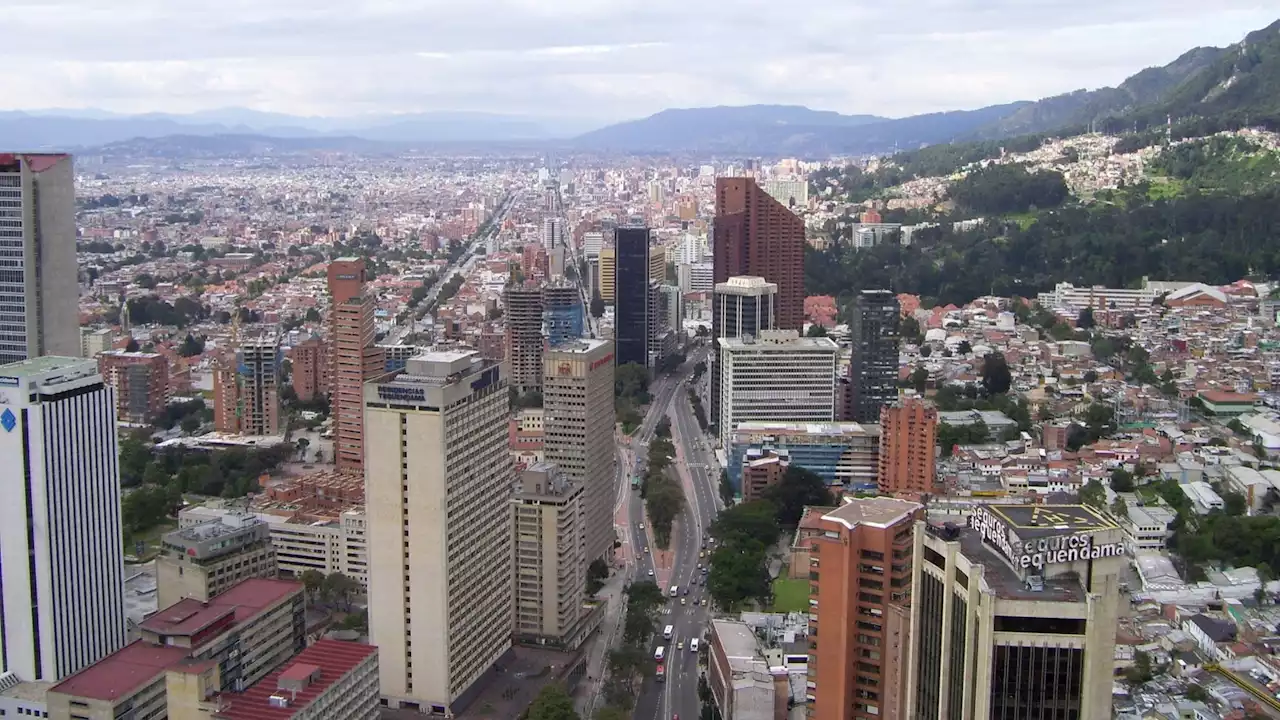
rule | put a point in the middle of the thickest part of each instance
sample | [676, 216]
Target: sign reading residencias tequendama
[1038, 551]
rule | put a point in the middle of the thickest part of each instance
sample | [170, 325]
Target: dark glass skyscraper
[631, 301]
[873, 366]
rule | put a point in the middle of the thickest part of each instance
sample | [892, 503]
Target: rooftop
[738, 641]
[42, 365]
[792, 428]
[877, 512]
[1037, 520]
[121, 672]
[324, 663]
[245, 599]
[1006, 582]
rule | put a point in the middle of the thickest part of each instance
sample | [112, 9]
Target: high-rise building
[608, 264]
[550, 571]
[438, 485]
[1015, 615]
[873, 364]
[310, 359]
[776, 377]
[260, 384]
[563, 317]
[39, 286]
[859, 593]
[743, 305]
[353, 358]
[206, 559]
[141, 382]
[908, 445]
[94, 341]
[522, 311]
[552, 233]
[696, 277]
[60, 550]
[226, 394]
[657, 264]
[578, 422]
[592, 243]
[631, 302]
[754, 234]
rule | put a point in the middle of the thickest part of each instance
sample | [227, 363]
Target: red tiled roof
[334, 659]
[121, 672]
[245, 599]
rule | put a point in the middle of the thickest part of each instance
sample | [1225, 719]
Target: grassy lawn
[1024, 220]
[1163, 188]
[790, 595]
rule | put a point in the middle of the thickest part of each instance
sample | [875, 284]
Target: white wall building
[62, 602]
[776, 377]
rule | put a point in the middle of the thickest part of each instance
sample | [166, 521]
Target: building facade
[310, 371]
[859, 592]
[607, 275]
[522, 311]
[39, 286]
[776, 377]
[873, 363]
[908, 448]
[754, 234]
[438, 485]
[260, 384]
[743, 305]
[578, 418]
[207, 559]
[846, 455]
[1015, 615]
[353, 358]
[563, 316]
[141, 382]
[550, 569]
[631, 301]
[60, 526]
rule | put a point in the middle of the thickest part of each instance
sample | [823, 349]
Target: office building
[395, 357]
[746, 681]
[438, 486]
[246, 632]
[353, 358]
[760, 473]
[140, 381]
[845, 455]
[260, 384]
[578, 419]
[550, 569]
[60, 524]
[859, 595]
[563, 316]
[873, 362]
[330, 680]
[592, 243]
[776, 377]
[754, 234]
[552, 233]
[608, 275]
[696, 277]
[631, 301]
[94, 341]
[310, 368]
[207, 559]
[657, 264]
[1015, 615]
[522, 309]
[742, 305]
[908, 448]
[39, 288]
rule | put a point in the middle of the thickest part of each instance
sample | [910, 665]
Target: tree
[189, 424]
[131, 346]
[1196, 693]
[727, 493]
[312, 582]
[799, 488]
[339, 587]
[964, 348]
[663, 428]
[1121, 480]
[553, 703]
[597, 573]
[191, 346]
[919, 379]
[631, 381]
[996, 377]
[1093, 494]
[1099, 421]
[597, 305]
[909, 329]
[1140, 672]
[1120, 508]
[1234, 503]
[1084, 320]
[1090, 376]
[815, 330]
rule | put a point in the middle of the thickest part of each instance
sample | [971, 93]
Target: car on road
[646, 549]
[641, 526]
[686, 590]
[680, 645]
[651, 572]
[693, 645]
[684, 601]
[702, 553]
[704, 602]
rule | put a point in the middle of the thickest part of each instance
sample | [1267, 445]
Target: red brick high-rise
[310, 360]
[353, 358]
[754, 234]
[908, 445]
[141, 381]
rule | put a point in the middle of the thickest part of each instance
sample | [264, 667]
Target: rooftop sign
[1042, 549]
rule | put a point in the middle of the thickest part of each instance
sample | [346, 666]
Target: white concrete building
[62, 603]
[438, 485]
[776, 377]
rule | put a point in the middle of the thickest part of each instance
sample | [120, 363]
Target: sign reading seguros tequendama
[1041, 551]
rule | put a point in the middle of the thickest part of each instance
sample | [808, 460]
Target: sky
[604, 60]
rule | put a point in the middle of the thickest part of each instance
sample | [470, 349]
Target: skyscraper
[754, 234]
[551, 574]
[39, 286]
[873, 364]
[353, 358]
[522, 309]
[552, 233]
[578, 421]
[776, 377]
[260, 384]
[631, 304]
[563, 317]
[60, 551]
[607, 275]
[1015, 615]
[860, 592]
[908, 441]
[438, 485]
[744, 305]
[140, 381]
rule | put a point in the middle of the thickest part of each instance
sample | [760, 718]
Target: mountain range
[1242, 81]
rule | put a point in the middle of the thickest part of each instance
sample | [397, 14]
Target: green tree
[1140, 672]
[1121, 480]
[1119, 507]
[190, 424]
[996, 377]
[1084, 320]
[131, 346]
[919, 379]
[1099, 421]
[597, 573]
[191, 346]
[155, 475]
[1093, 494]
[312, 582]
[1196, 693]
[909, 329]
[597, 305]
[815, 330]
[798, 489]
[727, 493]
[553, 703]
[663, 428]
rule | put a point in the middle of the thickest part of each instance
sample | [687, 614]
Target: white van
[668, 632]
[693, 645]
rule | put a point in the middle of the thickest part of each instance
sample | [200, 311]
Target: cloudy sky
[599, 59]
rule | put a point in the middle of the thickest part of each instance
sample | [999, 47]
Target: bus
[660, 653]
[668, 631]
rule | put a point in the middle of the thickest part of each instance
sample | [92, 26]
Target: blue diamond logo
[8, 420]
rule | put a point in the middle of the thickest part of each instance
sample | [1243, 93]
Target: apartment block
[226, 394]
[859, 589]
[246, 632]
[608, 277]
[746, 683]
[908, 448]
[578, 419]
[204, 560]
[741, 305]
[141, 382]
[1015, 615]
[776, 377]
[761, 473]
[522, 313]
[260, 384]
[310, 373]
[60, 524]
[550, 569]
[438, 484]
[353, 358]
[94, 341]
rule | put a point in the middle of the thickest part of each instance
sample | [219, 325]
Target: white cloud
[605, 59]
